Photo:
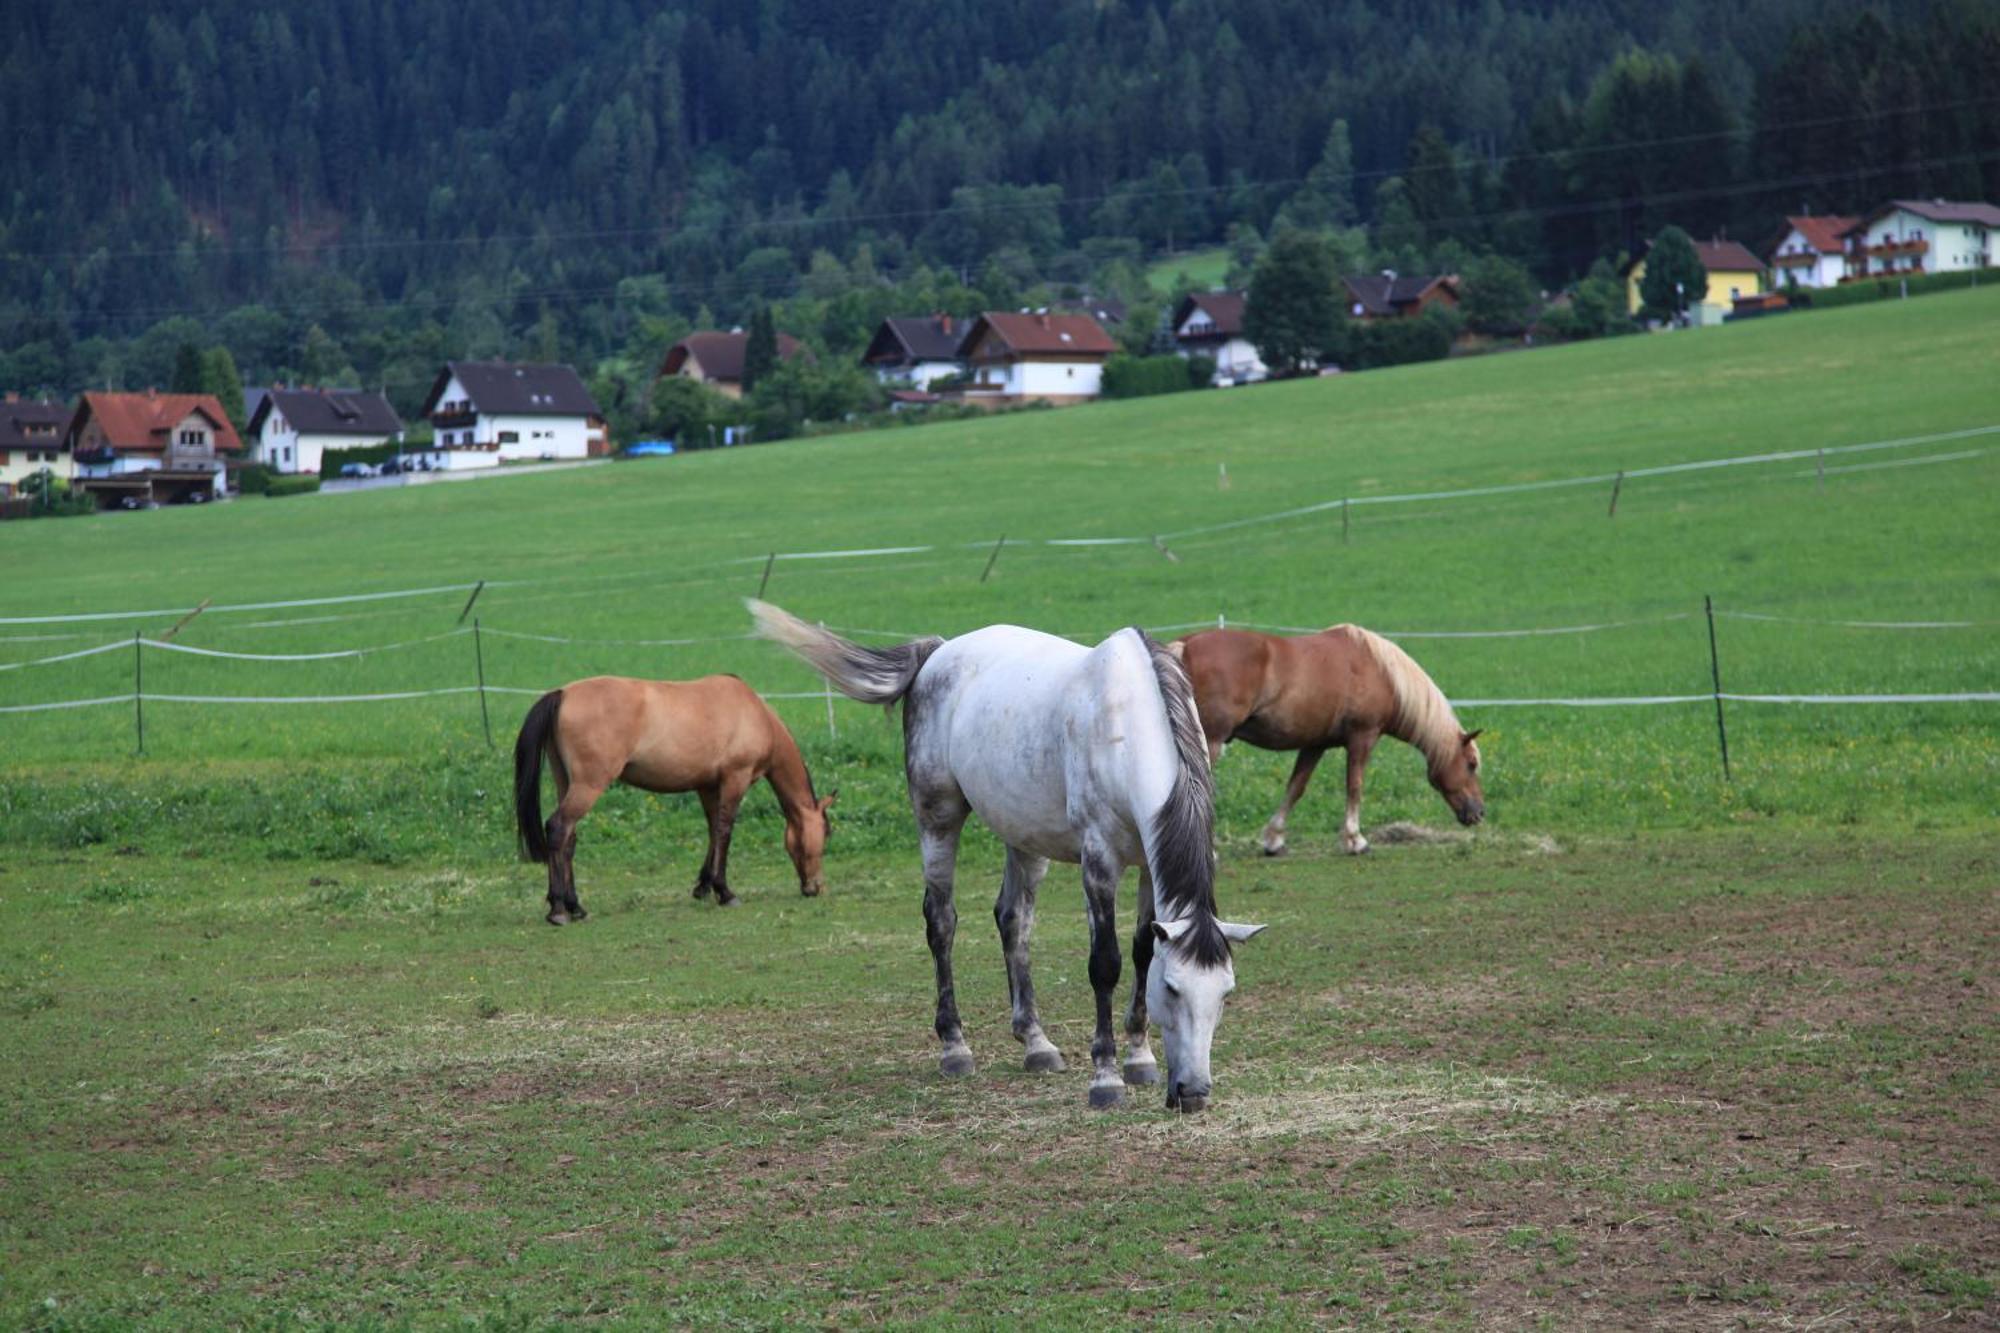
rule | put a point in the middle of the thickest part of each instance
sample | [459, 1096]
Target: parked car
[648, 449]
[359, 470]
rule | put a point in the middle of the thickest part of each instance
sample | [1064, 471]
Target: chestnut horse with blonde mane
[714, 737]
[1344, 686]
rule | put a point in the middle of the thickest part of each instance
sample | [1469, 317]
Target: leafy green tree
[683, 409]
[1675, 280]
[1436, 187]
[760, 352]
[799, 393]
[1496, 295]
[1292, 314]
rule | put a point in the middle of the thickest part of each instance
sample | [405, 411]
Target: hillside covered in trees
[353, 189]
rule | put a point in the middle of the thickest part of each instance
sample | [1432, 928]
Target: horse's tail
[537, 731]
[1182, 854]
[869, 675]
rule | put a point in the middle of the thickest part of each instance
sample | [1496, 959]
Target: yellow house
[1732, 272]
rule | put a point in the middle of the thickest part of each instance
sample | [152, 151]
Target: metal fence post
[1715, 674]
[479, 661]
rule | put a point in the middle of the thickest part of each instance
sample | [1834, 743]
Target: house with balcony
[716, 359]
[1032, 356]
[33, 437]
[151, 448]
[291, 429]
[911, 351]
[1211, 324]
[1906, 237]
[1812, 252]
[484, 413]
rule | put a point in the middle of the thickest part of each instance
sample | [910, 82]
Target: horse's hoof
[1106, 1096]
[731, 901]
[1278, 849]
[1144, 1075]
[1046, 1060]
[557, 917]
[701, 889]
[1355, 848]
[955, 1064]
[576, 912]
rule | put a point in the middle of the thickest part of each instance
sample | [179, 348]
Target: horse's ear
[1179, 649]
[1166, 932]
[1471, 736]
[826, 802]
[1238, 932]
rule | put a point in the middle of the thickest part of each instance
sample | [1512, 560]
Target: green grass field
[1200, 268]
[289, 1043]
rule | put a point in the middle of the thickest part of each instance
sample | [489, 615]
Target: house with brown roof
[1211, 324]
[151, 448]
[1033, 356]
[1393, 295]
[32, 438]
[1733, 273]
[914, 350]
[486, 412]
[1812, 252]
[291, 429]
[716, 359]
[1912, 236]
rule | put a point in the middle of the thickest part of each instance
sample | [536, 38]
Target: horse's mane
[1423, 715]
[1184, 829]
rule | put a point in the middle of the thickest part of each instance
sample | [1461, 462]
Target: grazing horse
[711, 736]
[1343, 686]
[1086, 755]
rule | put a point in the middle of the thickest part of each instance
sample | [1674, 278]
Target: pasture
[288, 1041]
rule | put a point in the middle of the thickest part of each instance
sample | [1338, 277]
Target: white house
[32, 440]
[914, 350]
[485, 412]
[151, 447]
[1029, 357]
[291, 429]
[1211, 324]
[1812, 252]
[1910, 236]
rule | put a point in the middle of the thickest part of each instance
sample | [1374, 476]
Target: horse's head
[1184, 995]
[1457, 779]
[805, 840]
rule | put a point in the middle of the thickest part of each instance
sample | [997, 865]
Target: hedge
[296, 483]
[1888, 287]
[1144, 376]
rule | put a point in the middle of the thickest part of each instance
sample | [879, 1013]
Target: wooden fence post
[479, 660]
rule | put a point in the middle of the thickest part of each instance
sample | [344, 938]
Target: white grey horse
[1088, 755]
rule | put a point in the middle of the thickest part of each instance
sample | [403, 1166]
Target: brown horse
[711, 736]
[1343, 686]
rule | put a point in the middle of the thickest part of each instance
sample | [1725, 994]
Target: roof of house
[516, 388]
[329, 412]
[1727, 257]
[17, 416]
[1388, 294]
[1939, 210]
[1822, 231]
[1036, 334]
[720, 355]
[1717, 256]
[1103, 309]
[903, 339]
[1224, 311]
[146, 420]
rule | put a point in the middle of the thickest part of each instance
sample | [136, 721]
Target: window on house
[510, 437]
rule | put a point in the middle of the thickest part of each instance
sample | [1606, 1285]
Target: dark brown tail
[529, 748]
